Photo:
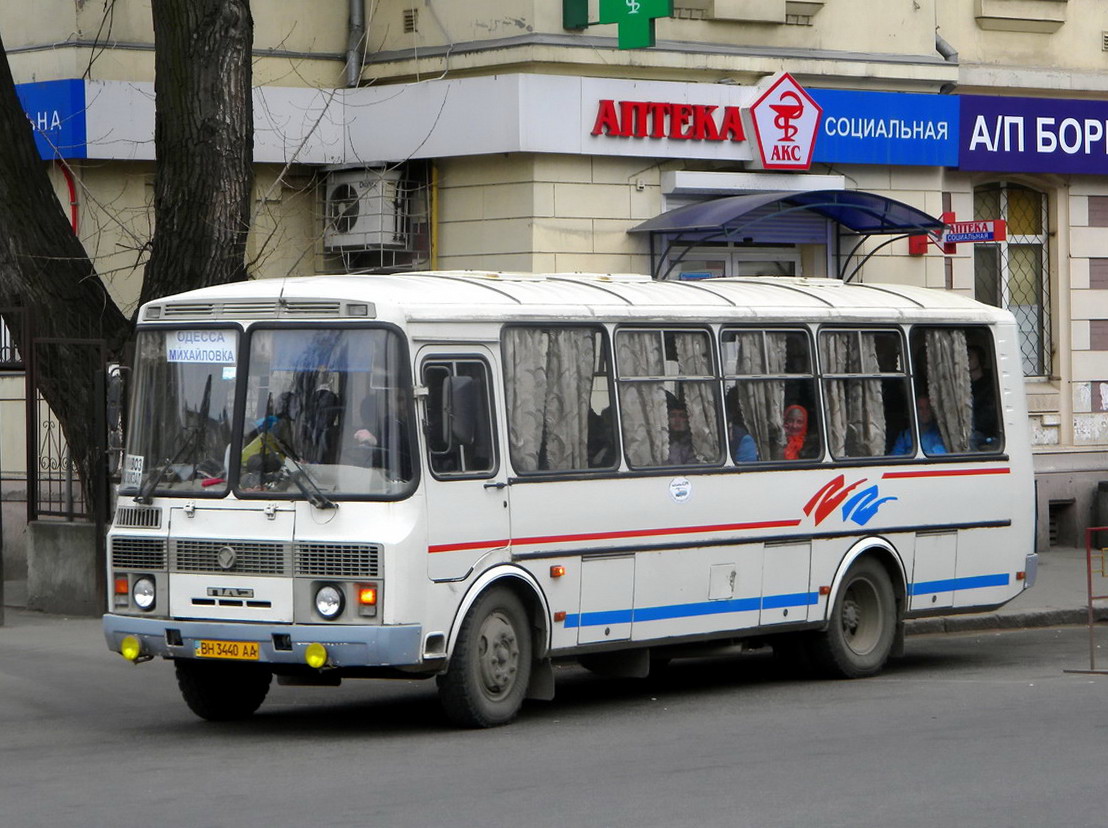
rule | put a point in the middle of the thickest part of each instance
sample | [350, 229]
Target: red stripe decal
[456, 547]
[629, 533]
[946, 473]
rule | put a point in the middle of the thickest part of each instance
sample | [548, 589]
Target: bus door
[933, 573]
[465, 484]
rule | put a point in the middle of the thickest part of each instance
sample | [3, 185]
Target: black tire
[487, 679]
[862, 626]
[222, 692]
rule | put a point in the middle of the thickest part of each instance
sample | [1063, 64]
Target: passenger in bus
[601, 447]
[680, 435]
[799, 443]
[984, 435]
[743, 447]
[930, 438]
[319, 425]
[265, 445]
[381, 440]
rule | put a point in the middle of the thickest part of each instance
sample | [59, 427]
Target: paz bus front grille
[338, 560]
[248, 558]
[147, 554]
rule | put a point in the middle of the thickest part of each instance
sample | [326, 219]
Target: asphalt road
[975, 729]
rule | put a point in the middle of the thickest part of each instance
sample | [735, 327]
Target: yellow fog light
[315, 655]
[130, 648]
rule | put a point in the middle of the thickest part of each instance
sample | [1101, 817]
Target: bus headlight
[143, 593]
[329, 601]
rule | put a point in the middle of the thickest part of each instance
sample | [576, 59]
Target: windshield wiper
[156, 476]
[300, 476]
[194, 437]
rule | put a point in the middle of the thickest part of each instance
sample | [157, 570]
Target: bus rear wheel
[487, 679]
[862, 627]
[222, 692]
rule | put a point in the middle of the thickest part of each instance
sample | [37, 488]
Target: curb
[1005, 621]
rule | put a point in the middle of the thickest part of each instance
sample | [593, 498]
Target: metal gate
[54, 488]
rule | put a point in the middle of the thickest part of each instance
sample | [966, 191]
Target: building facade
[517, 135]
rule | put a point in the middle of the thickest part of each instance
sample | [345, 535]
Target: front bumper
[347, 646]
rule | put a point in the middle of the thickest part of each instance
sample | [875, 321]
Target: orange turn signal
[367, 596]
[121, 585]
[557, 571]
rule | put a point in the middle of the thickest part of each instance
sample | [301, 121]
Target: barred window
[1014, 273]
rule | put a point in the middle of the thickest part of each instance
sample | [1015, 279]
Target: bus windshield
[326, 414]
[182, 412]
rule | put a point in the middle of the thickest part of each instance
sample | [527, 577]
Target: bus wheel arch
[495, 649]
[526, 589]
[865, 614]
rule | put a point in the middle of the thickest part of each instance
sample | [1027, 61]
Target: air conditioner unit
[363, 210]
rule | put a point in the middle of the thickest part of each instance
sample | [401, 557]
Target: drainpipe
[72, 184]
[355, 39]
[949, 53]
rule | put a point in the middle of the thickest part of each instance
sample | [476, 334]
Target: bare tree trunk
[204, 133]
[204, 139]
[44, 267]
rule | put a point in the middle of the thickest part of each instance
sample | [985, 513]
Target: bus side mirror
[461, 404]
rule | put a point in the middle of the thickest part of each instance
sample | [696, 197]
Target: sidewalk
[1059, 597]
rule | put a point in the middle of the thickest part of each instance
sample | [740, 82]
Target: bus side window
[557, 386]
[668, 397]
[955, 370]
[986, 431]
[771, 401]
[865, 383]
[458, 425]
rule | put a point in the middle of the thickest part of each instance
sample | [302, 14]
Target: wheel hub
[498, 655]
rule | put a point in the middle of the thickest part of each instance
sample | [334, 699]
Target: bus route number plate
[237, 650]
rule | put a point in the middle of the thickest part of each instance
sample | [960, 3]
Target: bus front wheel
[862, 627]
[222, 692]
[489, 671]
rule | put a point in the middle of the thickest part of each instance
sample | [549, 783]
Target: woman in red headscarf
[797, 445]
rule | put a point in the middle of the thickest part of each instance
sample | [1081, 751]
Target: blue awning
[867, 214]
[782, 217]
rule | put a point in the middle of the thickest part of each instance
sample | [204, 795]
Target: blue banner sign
[1034, 135]
[887, 128]
[56, 110]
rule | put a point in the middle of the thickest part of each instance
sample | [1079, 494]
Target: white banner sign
[206, 347]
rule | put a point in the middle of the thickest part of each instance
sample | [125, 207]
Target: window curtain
[525, 358]
[643, 404]
[694, 358]
[549, 381]
[762, 401]
[855, 406]
[948, 386]
[571, 359]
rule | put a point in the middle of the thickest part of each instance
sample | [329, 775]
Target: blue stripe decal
[597, 619]
[690, 610]
[954, 584]
[797, 599]
[594, 619]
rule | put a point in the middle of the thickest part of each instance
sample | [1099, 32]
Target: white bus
[472, 476]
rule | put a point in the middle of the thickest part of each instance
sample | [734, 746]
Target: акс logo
[784, 121]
